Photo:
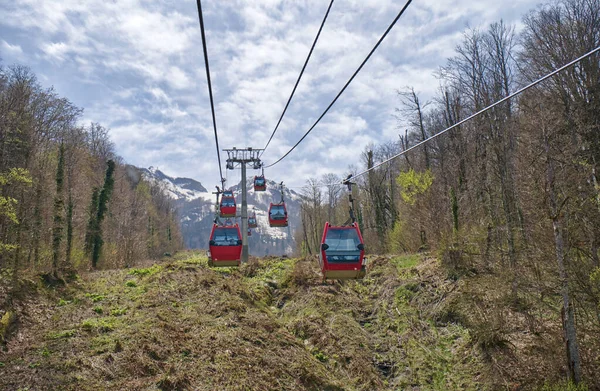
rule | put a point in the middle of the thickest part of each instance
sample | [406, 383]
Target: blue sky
[136, 67]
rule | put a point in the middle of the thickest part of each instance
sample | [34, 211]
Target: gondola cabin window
[225, 237]
[342, 246]
[260, 184]
[278, 212]
[227, 202]
[252, 223]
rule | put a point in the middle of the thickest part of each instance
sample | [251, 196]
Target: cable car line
[299, 77]
[533, 84]
[347, 83]
[342, 248]
[212, 105]
[225, 245]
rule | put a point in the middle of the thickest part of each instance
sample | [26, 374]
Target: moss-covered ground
[269, 325]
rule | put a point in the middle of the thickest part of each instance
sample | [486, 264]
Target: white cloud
[145, 61]
[56, 50]
[12, 50]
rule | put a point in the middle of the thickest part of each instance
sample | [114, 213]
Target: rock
[6, 324]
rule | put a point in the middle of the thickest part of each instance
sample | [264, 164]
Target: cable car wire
[347, 83]
[538, 81]
[299, 77]
[212, 104]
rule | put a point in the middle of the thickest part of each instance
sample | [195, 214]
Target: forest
[512, 194]
[67, 201]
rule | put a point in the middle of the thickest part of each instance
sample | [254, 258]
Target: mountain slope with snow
[195, 206]
[176, 188]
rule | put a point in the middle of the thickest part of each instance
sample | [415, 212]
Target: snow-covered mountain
[266, 240]
[177, 188]
[195, 205]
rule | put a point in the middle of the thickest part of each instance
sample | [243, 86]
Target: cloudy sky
[136, 66]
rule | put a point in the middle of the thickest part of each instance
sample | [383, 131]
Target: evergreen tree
[91, 227]
[69, 230]
[103, 200]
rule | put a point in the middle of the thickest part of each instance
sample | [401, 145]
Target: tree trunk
[37, 226]
[58, 226]
[69, 230]
[421, 129]
[595, 182]
[569, 328]
[376, 198]
[304, 230]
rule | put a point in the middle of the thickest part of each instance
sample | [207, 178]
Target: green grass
[406, 261]
[319, 355]
[194, 259]
[147, 271]
[95, 297]
[118, 311]
[103, 343]
[101, 325]
[63, 302]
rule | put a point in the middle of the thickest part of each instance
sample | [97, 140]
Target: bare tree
[312, 217]
[334, 189]
[413, 110]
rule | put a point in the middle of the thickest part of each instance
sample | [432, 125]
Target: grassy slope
[266, 326]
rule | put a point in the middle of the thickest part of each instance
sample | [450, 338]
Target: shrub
[413, 184]
[118, 311]
[95, 297]
[63, 302]
[62, 334]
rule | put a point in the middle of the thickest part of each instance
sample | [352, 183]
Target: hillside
[271, 325]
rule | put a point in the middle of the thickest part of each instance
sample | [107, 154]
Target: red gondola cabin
[342, 252]
[278, 215]
[260, 184]
[252, 223]
[225, 245]
[227, 205]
